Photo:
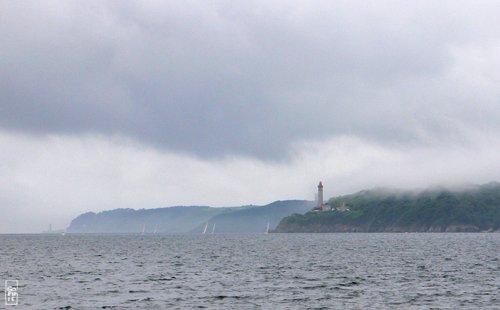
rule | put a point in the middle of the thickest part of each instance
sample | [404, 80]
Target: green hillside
[383, 210]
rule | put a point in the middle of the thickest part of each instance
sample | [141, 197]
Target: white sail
[205, 230]
[213, 228]
[143, 228]
[267, 229]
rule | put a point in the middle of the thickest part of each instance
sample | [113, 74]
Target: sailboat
[267, 229]
[205, 230]
[143, 228]
[213, 228]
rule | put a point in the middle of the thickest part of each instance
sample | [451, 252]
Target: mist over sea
[248, 271]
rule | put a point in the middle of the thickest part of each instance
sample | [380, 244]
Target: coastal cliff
[474, 209]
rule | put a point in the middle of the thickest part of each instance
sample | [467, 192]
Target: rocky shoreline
[343, 228]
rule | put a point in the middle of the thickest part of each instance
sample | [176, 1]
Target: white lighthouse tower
[320, 196]
[319, 199]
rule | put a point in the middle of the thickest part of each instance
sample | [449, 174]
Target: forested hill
[257, 218]
[244, 219]
[474, 209]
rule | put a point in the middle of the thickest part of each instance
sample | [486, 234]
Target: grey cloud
[245, 78]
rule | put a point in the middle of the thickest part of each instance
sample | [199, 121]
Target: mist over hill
[470, 208]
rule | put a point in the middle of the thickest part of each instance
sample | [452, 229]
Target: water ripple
[296, 271]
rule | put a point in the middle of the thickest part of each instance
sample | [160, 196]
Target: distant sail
[143, 228]
[267, 229]
[213, 228]
[205, 230]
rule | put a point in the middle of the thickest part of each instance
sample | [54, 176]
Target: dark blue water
[274, 271]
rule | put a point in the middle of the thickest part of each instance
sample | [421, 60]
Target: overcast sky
[146, 104]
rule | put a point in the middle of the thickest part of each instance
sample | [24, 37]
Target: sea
[254, 271]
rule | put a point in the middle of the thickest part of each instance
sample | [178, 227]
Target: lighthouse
[319, 200]
[320, 196]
